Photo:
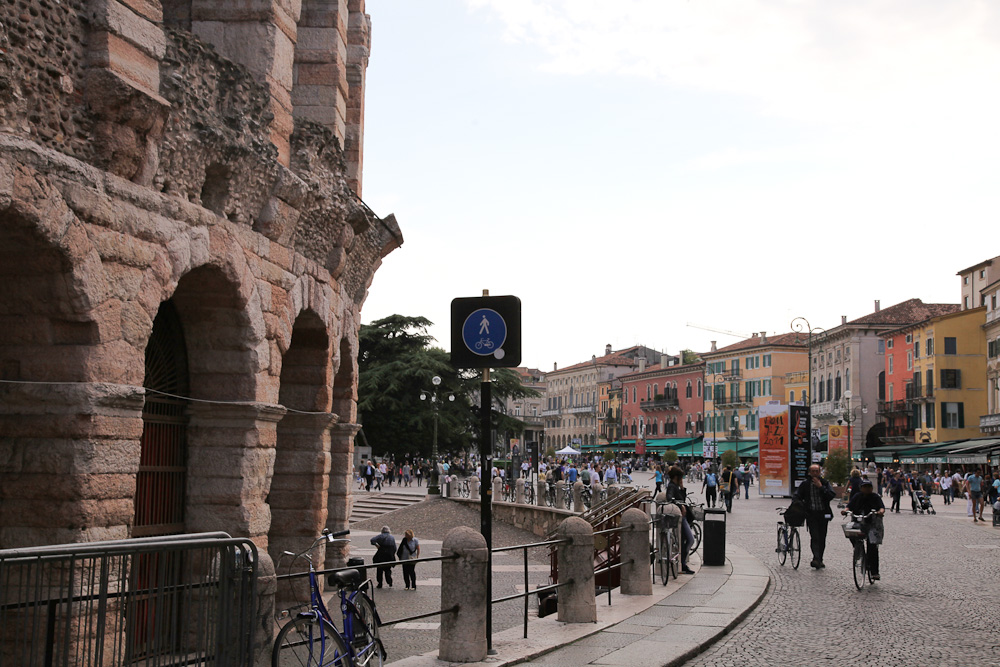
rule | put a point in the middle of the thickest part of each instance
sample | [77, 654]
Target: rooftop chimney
[878, 305]
[642, 363]
[713, 346]
[843, 318]
[763, 338]
[607, 349]
[664, 361]
[555, 366]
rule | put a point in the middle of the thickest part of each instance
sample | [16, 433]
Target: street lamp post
[796, 326]
[715, 379]
[433, 484]
[851, 416]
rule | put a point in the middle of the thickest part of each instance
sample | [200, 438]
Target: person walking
[379, 475]
[409, 549]
[747, 478]
[658, 476]
[729, 487]
[406, 474]
[974, 487]
[895, 490]
[816, 493]
[384, 553]
[369, 475]
[710, 486]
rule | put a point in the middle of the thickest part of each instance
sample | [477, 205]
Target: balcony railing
[893, 408]
[919, 392]
[733, 399]
[551, 413]
[581, 409]
[671, 403]
[989, 423]
[732, 373]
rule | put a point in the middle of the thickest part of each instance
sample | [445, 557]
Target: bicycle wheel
[664, 558]
[367, 644]
[782, 545]
[795, 547]
[696, 531]
[859, 566]
[672, 551]
[586, 500]
[529, 494]
[308, 642]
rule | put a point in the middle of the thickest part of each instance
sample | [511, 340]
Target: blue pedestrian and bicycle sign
[486, 332]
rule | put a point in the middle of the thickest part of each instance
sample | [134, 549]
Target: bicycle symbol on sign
[484, 342]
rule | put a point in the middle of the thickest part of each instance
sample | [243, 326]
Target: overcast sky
[627, 168]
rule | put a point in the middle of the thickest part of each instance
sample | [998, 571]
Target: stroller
[921, 501]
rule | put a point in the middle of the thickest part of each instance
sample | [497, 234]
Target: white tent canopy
[567, 451]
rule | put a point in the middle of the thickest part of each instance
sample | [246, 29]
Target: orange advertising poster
[836, 438]
[775, 457]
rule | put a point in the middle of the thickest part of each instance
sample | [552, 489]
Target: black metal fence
[175, 600]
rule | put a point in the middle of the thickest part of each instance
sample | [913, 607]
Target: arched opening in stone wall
[342, 434]
[299, 487]
[229, 435]
[160, 483]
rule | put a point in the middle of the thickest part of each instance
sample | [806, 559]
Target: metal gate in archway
[153, 616]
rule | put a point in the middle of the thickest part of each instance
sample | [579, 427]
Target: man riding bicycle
[861, 504]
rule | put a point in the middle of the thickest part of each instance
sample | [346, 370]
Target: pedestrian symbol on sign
[484, 333]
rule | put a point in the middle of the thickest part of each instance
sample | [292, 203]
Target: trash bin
[714, 537]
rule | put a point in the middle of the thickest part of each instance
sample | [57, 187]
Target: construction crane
[734, 334]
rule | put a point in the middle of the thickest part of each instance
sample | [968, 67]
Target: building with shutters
[989, 424]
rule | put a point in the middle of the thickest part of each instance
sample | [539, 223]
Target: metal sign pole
[485, 494]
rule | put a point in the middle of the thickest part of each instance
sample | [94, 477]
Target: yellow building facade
[948, 393]
[742, 377]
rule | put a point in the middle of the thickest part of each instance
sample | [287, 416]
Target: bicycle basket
[669, 520]
[852, 530]
[698, 513]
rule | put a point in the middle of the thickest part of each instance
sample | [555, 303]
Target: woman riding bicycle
[861, 504]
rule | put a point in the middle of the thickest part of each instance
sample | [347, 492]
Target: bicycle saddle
[345, 578]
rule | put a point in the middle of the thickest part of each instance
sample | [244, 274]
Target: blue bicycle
[311, 639]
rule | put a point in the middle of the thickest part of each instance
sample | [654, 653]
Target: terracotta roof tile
[907, 312]
[792, 339]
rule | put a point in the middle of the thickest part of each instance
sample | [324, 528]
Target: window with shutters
[929, 347]
[929, 409]
[951, 378]
[909, 360]
[952, 415]
[950, 345]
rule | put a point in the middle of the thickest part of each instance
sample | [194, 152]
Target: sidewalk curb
[747, 575]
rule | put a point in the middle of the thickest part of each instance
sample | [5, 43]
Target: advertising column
[798, 416]
[775, 457]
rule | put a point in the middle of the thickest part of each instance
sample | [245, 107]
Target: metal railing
[549, 544]
[660, 403]
[181, 599]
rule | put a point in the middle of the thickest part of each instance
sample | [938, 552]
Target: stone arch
[230, 436]
[299, 488]
[344, 405]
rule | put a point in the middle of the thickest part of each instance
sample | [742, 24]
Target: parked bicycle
[789, 543]
[695, 517]
[463, 488]
[668, 551]
[310, 639]
[855, 531]
[550, 493]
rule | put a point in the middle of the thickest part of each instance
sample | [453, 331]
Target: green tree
[670, 457]
[395, 366]
[396, 362]
[838, 466]
[730, 458]
[689, 357]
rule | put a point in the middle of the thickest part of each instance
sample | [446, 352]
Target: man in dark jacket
[866, 501]
[816, 493]
[385, 553]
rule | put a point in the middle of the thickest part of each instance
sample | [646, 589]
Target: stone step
[367, 506]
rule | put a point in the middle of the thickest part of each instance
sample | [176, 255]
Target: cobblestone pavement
[430, 521]
[935, 604]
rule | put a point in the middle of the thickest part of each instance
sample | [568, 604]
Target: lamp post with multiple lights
[433, 484]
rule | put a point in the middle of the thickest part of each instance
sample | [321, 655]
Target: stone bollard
[463, 633]
[519, 492]
[595, 490]
[445, 484]
[635, 553]
[540, 493]
[561, 495]
[613, 490]
[497, 489]
[576, 567]
[577, 496]
[474, 487]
